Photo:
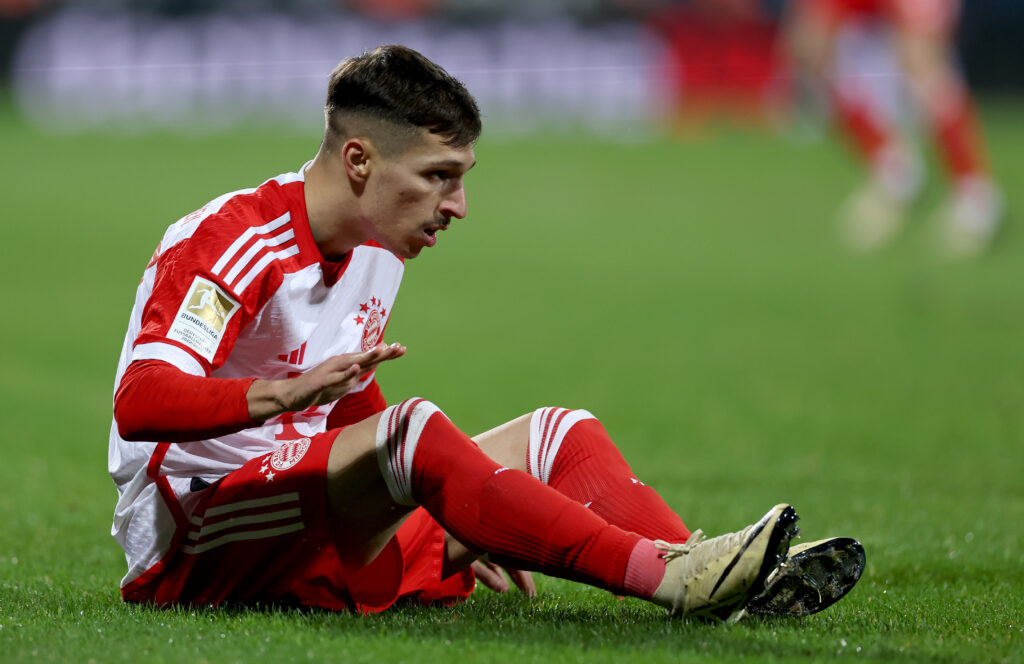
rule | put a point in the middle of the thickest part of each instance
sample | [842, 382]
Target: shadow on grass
[585, 621]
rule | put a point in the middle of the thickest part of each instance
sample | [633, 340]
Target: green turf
[692, 294]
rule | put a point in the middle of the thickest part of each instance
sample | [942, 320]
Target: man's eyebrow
[451, 163]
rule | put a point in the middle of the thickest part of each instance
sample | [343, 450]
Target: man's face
[414, 194]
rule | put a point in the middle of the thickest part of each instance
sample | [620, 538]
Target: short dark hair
[399, 86]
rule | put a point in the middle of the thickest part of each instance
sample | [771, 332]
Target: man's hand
[324, 383]
[490, 575]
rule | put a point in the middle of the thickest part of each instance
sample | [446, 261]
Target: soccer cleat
[871, 219]
[714, 578]
[874, 215]
[816, 576]
[971, 218]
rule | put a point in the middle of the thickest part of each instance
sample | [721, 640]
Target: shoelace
[673, 551]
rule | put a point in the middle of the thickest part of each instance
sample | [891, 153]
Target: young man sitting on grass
[257, 461]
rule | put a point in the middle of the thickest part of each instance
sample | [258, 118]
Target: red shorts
[261, 535]
[919, 16]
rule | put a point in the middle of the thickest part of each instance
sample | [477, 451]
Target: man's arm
[157, 401]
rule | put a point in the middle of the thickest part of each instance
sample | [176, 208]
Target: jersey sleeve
[198, 303]
[156, 401]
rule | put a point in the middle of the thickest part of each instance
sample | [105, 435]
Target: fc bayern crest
[371, 316]
[289, 454]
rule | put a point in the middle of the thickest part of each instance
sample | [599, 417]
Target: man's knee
[506, 443]
[548, 429]
[369, 477]
[397, 436]
[531, 441]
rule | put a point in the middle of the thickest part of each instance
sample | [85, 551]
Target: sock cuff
[644, 571]
[398, 433]
[548, 428]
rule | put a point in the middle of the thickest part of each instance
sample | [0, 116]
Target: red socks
[868, 132]
[517, 520]
[957, 134]
[570, 451]
[952, 121]
[645, 570]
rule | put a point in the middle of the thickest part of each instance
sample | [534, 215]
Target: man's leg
[422, 458]
[501, 510]
[571, 451]
[874, 213]
[972, 215]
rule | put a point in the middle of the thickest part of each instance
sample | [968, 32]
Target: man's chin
[410, 252]
[404, 252]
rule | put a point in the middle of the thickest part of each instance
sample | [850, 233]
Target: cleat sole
[812, 580]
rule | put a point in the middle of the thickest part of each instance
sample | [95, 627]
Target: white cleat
[714, 578]
[873, 215]
[971, 218]
[870, 219]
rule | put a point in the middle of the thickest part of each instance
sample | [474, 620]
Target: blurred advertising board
[79, 69]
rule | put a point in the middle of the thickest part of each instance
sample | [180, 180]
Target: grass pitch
[692, 294]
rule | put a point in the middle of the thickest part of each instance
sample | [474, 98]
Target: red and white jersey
[238, 289]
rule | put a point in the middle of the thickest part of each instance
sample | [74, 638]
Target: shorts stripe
[243, 536]
[211, 528]
[227, 508]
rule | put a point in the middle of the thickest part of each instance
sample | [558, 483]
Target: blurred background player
[921, 33]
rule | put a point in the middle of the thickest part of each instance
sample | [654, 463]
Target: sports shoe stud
[817, 575]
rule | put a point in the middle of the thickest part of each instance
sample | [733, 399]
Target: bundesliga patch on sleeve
[202, 317]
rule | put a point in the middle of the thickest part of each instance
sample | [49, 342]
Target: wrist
[266, 399]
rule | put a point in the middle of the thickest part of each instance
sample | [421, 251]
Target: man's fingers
[523, 581]
[343, 373]
[366, 360]
[380, 353]
[490, 575]
[337, 375]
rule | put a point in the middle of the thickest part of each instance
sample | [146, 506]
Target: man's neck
[332, 209]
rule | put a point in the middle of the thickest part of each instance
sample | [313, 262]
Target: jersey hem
[137, 584]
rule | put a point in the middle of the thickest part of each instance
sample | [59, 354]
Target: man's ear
[356, 155]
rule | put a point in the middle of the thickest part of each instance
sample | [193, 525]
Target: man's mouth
[431, 232]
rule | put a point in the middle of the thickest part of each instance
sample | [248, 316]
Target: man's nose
[454, 204]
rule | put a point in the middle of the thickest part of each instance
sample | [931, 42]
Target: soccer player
[922, 32]
[256, 460]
